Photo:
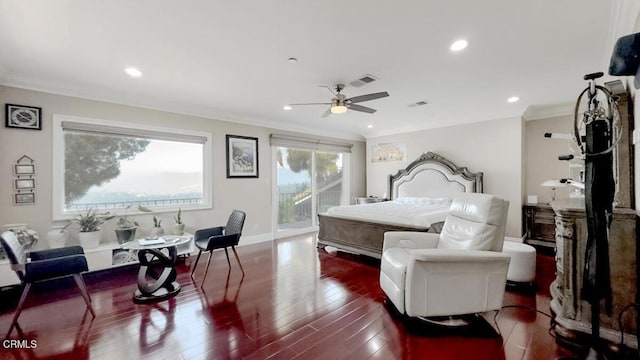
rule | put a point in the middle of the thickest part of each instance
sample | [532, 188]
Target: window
[109, 166]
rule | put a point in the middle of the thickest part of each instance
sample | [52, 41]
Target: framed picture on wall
[24, 169]
[23, 117]
[24, 184]
[385, 152]
[242, 157]
[24, 198]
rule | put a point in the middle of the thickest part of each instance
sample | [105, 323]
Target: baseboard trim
[255, 239]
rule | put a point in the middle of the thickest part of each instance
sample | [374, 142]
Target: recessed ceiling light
[292, 60]
[513, 99]
[133, 72]
[459, 45]
[369, 126]
[287, 107]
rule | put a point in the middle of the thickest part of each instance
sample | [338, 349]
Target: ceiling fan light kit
[338, 109]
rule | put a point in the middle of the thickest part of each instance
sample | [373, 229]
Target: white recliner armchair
[457, 272]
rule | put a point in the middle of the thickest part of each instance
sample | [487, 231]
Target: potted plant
[157, 229]
[88, 225]
[178, 227]
[126, 225]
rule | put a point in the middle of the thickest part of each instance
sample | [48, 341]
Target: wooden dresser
[573, 314]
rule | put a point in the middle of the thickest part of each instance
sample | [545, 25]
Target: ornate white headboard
[431, 175]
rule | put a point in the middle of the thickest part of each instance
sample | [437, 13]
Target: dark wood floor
[295, 302]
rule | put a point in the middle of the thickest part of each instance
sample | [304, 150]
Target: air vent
[419, 103]
[366, 79]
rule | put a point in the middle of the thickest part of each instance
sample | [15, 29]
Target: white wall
[493, 147]
[251, 195]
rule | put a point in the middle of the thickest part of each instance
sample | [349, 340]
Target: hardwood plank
[295, 301]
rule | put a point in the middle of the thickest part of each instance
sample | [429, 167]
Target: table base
[157, 275]
[164, 293]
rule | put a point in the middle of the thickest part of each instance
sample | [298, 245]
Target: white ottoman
[522, 268]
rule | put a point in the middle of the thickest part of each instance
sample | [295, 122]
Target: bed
[419, 199]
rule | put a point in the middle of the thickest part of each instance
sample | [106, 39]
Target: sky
[173, 165]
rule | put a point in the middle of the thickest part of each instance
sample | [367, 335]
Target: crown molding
[537, 112]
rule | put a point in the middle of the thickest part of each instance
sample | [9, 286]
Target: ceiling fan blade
[361, 108]
[310, 104]
[327, 113]
[367, 97]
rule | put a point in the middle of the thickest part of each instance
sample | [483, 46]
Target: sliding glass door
[308, 182]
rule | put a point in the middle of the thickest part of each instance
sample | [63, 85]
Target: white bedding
[414, 212]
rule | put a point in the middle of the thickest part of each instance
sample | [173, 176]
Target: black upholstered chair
[220, 237]
[44, 265]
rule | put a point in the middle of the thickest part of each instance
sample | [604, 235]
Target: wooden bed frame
[430, 175]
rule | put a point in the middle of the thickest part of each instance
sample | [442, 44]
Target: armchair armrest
[410, 240]
[220, 241]
[455, 255]
[204, 234]
[55, 253]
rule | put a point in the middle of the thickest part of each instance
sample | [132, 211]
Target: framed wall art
[24, 184]
[242, 157]
[24, 198]
[24, 169]
[384, 152]
[24, 181]
[23, 117]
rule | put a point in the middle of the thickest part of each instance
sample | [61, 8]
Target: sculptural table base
[157, 275]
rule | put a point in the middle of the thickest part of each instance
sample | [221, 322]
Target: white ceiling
[227, 60]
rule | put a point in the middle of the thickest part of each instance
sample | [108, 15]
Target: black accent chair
[220, 237]
[42, 266]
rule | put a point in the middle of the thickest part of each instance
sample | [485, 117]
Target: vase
[26, 237]
[125, 235]
[89, 240]
[178, 229]
[57, 237]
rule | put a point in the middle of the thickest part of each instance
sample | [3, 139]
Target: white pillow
[423, 201]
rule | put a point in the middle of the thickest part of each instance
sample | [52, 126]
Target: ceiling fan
[340, 103]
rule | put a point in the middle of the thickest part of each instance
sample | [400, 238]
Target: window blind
[128, 132]
[299, 142]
